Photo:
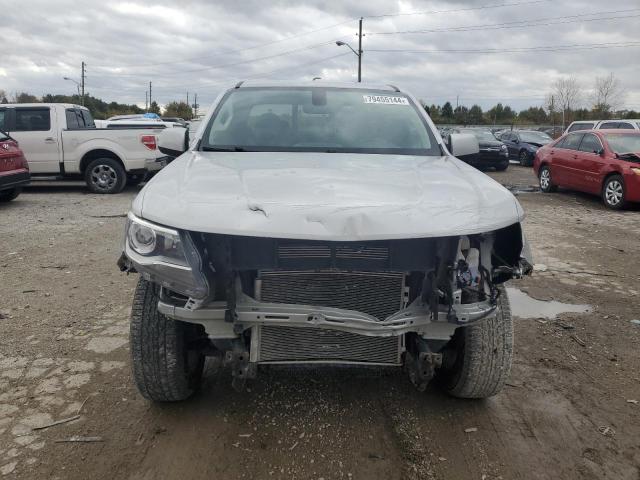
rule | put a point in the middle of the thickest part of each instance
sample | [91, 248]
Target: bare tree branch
[608, 95]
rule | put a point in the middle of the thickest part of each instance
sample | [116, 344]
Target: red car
[14, 170]
[603, 162]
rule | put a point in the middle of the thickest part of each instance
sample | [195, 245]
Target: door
[564, 160]
[34, 129]
[590, 164]
[508, 139]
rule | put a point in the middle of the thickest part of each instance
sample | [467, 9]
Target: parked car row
[603, 125]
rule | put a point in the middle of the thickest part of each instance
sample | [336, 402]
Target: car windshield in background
[481, 135]
[623, 142]
[535, 137]
[3, 136]
[319, 119]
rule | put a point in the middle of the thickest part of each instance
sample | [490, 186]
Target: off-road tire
[164, 369]
[502, 166]
[608, 198]
[8, 195]
[483, 354]
[546, 180]
[113, 171]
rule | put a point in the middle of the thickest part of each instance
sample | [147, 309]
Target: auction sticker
[385, 99]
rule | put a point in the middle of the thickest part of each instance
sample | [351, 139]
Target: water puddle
[517, 189]
[523, 306]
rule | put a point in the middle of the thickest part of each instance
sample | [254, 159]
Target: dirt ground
[570, 409]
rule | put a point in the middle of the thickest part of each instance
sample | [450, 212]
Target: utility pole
[195, 105]
[360, 51]
[146, 101]
[82, 78]
[457, 101]
[553, 117]
[187, 98]
[149, 95]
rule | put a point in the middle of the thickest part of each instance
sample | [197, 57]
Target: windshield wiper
[223, 149]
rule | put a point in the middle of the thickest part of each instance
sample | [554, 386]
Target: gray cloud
[202, 47]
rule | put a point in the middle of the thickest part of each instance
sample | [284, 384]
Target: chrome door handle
[49, 140]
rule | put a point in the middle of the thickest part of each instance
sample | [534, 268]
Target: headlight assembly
[165, 256]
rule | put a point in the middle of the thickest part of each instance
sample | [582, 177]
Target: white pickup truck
[61, 140]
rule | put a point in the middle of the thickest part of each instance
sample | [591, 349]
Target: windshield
[3, 136]
[480, 134]
[535, 137]
[623, 142]
[319, 119]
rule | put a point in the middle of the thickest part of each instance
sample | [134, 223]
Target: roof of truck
[65, 105]
[317, 83]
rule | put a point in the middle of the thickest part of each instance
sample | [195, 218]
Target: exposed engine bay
[282, 301]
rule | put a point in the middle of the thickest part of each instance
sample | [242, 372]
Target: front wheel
[614, 193]
[165, 369]
[546, 184]
[524, 159]
[477, 361]
[502, 166]
[105, 175]
[8, 195]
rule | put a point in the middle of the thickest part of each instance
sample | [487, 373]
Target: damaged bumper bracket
[249, 313]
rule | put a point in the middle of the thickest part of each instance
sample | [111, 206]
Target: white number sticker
[387, 100]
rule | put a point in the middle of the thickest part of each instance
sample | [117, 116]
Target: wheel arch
[608, 175]
[99, 153]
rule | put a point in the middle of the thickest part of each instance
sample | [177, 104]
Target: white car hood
[322, 196]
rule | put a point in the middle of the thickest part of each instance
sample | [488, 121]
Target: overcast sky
[203, 46]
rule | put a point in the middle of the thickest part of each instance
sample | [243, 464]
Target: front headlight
[165, 256]
[503, 148]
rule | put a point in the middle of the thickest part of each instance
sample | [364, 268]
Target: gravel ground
[570, 409]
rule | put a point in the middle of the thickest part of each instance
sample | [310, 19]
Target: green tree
[24, 97]
[154, 108]
[461, 115]
[475, 115]
[178, 109]
[447, 112]
[535, 115]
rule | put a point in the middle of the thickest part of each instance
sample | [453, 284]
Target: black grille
[376, 293]
[290, 344]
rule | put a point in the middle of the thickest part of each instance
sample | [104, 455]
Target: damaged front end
[284, 301]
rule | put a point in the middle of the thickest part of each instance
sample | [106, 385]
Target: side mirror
[173, 141]
[600, 152]
[461, 144]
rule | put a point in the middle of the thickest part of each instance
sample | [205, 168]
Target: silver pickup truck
[61, 140]
[322, 224]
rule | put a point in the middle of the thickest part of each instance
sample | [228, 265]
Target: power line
[551, 48]
[213, 67]
[455, 10]
[519, 24]
[221, 54]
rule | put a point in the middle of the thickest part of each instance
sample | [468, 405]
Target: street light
[77, 84]
[358, 54]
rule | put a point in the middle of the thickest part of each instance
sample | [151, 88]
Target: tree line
[99, 108]
[563, 104]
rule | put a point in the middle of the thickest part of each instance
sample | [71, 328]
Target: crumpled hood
[324, 196]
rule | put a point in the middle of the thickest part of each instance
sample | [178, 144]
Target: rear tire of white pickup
[480, 356]
[164, 368]
[105, 175]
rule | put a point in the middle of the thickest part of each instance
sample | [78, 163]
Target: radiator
[377, 293]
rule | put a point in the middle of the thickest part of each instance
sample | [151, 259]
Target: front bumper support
[249, 313]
